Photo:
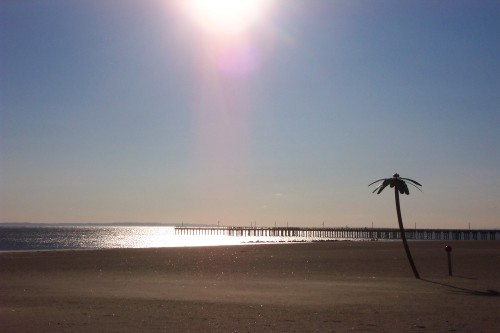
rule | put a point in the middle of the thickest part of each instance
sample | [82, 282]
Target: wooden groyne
[343, 233]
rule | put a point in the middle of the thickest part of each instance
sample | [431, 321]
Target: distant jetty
[343, 233]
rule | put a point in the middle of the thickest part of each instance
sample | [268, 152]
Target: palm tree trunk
[403, 236]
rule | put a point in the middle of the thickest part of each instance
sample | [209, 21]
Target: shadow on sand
[490, 293]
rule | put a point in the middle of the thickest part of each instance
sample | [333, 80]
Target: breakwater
[343, 233]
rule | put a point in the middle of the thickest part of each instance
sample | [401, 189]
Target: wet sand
[309, 287]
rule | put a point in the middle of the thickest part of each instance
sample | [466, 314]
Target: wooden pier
[343, 233]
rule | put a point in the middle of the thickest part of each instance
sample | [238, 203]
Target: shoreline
[410, 241]
[299, 287]
[204, 245]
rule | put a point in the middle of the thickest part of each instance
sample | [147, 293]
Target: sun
[226, 17]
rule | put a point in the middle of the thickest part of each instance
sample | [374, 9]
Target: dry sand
[318, 287]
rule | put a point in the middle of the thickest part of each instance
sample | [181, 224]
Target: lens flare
[226, 17]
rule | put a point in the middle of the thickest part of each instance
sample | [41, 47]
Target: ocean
[21, 238]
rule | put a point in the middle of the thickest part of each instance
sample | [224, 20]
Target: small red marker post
[448, 252]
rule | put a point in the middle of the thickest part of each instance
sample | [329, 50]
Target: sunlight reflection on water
[146, 237]
[85, 237]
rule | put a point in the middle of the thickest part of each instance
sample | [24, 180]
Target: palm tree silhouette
[400, 186]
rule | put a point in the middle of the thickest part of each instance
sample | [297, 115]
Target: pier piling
[342, 233]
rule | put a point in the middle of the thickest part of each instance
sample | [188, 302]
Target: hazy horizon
[215, 225]
[155, 111]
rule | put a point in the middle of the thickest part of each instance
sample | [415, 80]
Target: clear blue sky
[136, 111]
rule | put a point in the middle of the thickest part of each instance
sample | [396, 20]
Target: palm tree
[400, 186]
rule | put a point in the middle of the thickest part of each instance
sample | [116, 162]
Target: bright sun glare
[226, 17]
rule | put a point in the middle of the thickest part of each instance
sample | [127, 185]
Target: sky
[168, 111]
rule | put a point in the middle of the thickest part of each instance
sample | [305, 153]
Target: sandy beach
[307, 287]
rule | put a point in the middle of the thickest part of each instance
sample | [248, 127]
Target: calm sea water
[105, 237]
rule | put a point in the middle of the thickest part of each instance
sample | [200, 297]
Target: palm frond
[376, 188]
[403, 188]
[381, 189]
[376, 181]
[398, 182]
[418, 188]
[384, 185]
[411, 180]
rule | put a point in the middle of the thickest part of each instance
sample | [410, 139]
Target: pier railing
[343, 233]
